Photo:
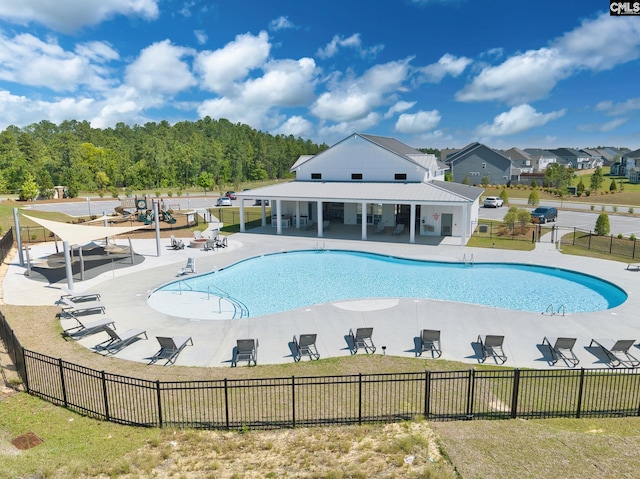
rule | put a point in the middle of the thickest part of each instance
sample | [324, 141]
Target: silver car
[493, 202]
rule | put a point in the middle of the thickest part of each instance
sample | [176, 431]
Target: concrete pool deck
[396, 321]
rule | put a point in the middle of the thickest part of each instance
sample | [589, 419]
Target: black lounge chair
[117, 341]
[562, 349]
[362, 339]
[617, 351]
[246, 350]
[491, 347]
[306, 345]
[430, 341]
[170, 348]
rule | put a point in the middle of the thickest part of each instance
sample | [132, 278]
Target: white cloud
[281, 23]
[296, 126]
[285, 83]
[399, 107]
[622, 108]
[447, 65]
[221, 68]
[201, 36]
[354, 98]
[597, 44]
[354, 42]
[70, 15]
[603, 127]
[348, 127]
[520, 118]
[160, 70]
[30, 61]
[420, 122]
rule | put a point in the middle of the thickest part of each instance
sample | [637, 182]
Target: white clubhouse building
[372, 177]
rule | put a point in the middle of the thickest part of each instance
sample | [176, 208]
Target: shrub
[587, 192]
[620, 236]
[603, 226]
[632, 237]
[504, 196]
[615, 209]
[631, 210]
[603, 207]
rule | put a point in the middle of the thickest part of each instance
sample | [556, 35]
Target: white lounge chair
[399, 229]
[380, 227]
[326, 224]
[176, 243]
[190, 267]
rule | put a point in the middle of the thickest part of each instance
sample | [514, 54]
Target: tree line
[149, 156]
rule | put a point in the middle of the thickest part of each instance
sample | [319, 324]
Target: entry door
[446, 224]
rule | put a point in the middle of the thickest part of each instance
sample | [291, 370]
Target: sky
[431, 73]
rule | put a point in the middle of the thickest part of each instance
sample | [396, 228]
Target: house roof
[394, 193]
[471, 148]
[540, 152]
[515, 154]
[632, 154]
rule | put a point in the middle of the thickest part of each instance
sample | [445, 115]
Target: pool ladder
[467, 261]
[552, 312]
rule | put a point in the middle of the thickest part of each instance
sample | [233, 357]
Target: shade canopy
[81, 234]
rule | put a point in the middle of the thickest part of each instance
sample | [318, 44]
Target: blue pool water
[285, 281]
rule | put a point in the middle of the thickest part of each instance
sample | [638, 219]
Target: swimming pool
[284, 281]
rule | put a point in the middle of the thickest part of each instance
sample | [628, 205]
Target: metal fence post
[633, 253]
[159, 402]
[226, 403]
[293, 400]
[611, 244]
[427, 393]
[359, 398]
[470, 392]
[64, 388]
[580, 392]
[514, 394]
[574, 236]
[105, 396]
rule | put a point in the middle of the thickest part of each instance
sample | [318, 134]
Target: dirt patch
[27, 441]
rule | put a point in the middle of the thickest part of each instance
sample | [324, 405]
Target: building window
[400, 176]
[356, 176]
[316, 176]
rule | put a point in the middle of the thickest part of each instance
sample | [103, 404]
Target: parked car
[223, 201]
[544, 214]
[231, 195]
[493, 202]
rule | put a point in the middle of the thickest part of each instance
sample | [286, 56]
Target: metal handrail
[549, 310]
[244, 311]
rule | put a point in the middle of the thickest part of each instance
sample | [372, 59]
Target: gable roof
[632, 154]
[540, 153]
[516, 154]
[472, 147]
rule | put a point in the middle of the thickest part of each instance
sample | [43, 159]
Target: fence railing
[626, 246]
[301, 401]
[6, 243]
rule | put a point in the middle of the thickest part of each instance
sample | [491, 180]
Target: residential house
[629, 161]
[364, 180]
[540, 158]
[477, 161]
[574, 158]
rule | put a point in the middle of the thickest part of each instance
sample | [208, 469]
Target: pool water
[285, 281]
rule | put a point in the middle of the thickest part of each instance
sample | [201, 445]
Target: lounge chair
[326, 224]
[246, 350]
[116, 341]
[562, 349]
[190, 267]
[306, 345]
[75, 297]
[170, 347]
[380, 227]
[86, 328]
[362, 339]
[211, 244]
[633, 266]
[399, 229]
[492, 348]
[176, 243]
[73, 308]
[430, 341]
[197, 235]
[221, 243]
[617, 351]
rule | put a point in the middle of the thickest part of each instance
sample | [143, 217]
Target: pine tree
[602, 225]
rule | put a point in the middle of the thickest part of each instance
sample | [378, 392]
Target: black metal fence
[6, 243]
[620, 246]
[300, 401]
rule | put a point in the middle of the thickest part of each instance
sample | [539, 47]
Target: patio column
[242, 228]
[67, 264]
[278, 217]
[263, 212]
[320, 220]
[464, 225]
[364, 221]
[412, 224]
[297, 215]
